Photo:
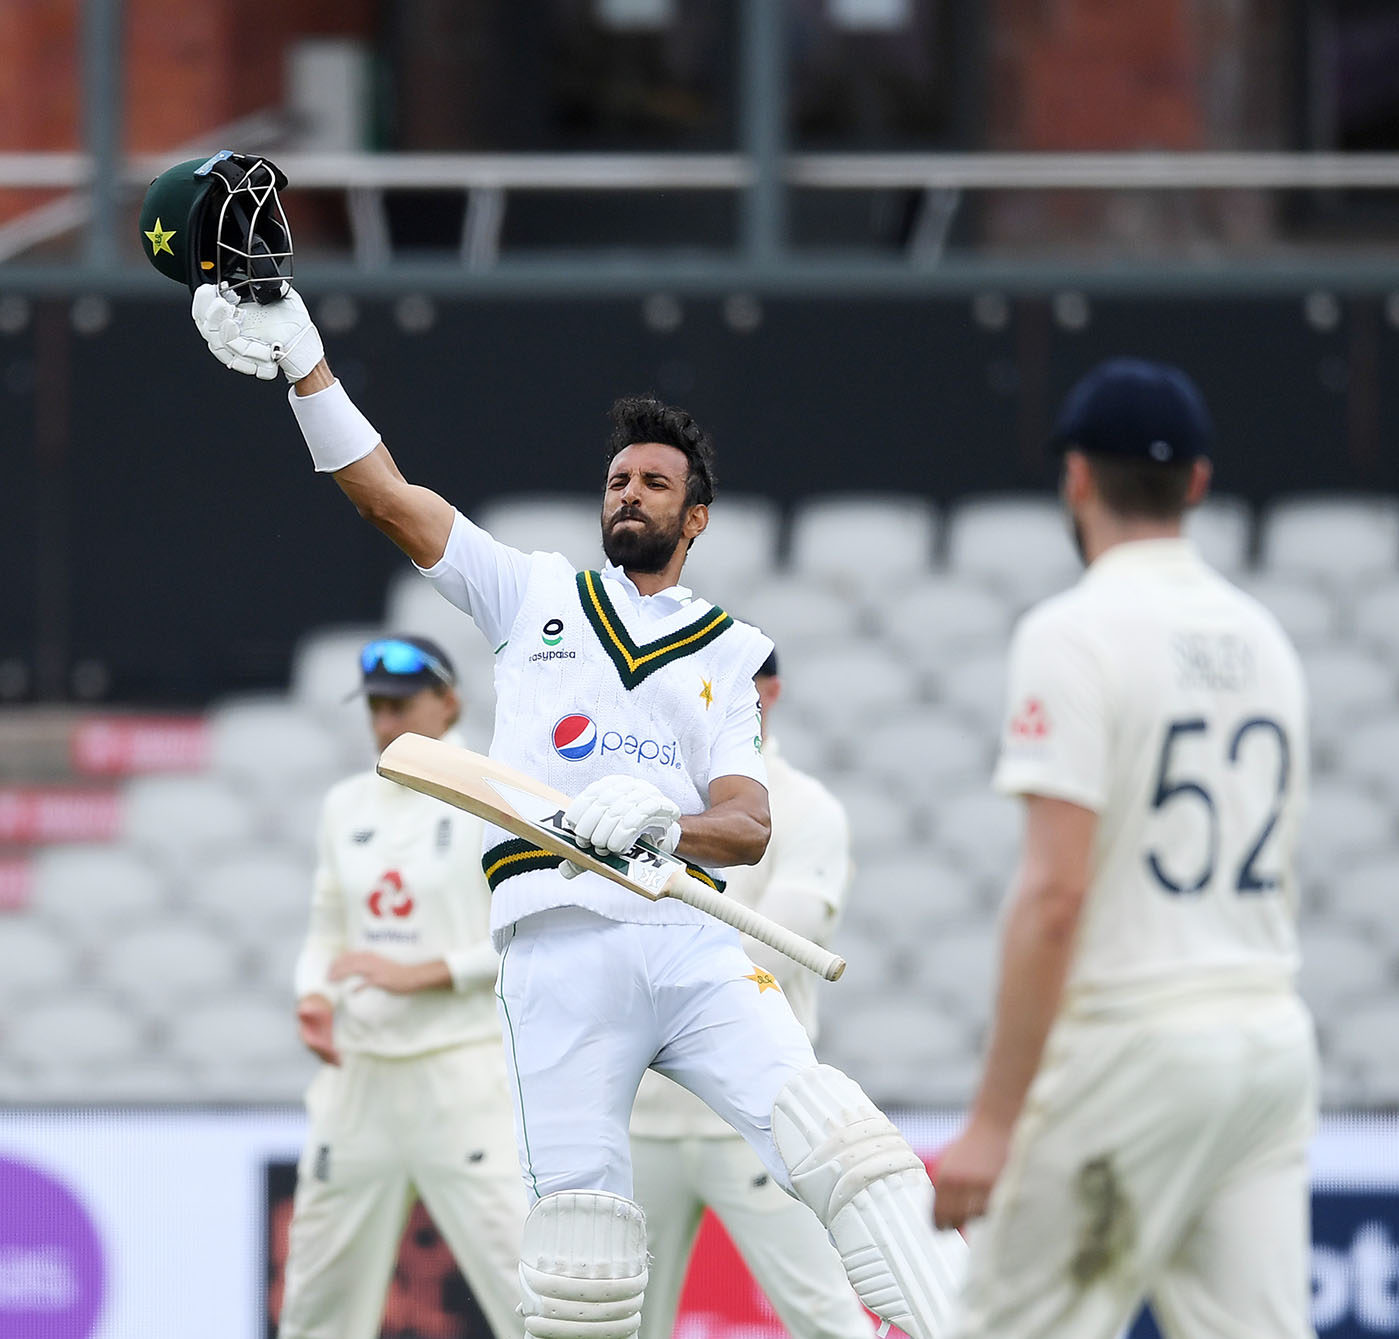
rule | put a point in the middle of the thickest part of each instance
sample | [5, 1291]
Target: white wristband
[336, 432]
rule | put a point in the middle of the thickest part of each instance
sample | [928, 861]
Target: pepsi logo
[575, 737]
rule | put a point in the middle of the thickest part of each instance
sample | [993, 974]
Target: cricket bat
[533, 811]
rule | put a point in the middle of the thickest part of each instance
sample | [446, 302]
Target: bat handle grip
[688, 889]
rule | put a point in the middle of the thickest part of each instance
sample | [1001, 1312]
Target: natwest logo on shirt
[389, 897]
[1031, 722]
[576, 736]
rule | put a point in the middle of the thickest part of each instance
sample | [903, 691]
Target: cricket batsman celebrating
[624, 689]
[1152, 1141]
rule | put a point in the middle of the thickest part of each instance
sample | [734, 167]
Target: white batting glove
[613, 812]
[258, 339]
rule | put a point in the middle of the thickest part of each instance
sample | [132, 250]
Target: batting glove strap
[336, 433]
[612, 812]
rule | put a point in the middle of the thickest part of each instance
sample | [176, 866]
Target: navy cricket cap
[1132, 408]
[402, 666]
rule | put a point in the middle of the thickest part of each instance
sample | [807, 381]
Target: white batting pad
[583, 1266]
[855, 1170]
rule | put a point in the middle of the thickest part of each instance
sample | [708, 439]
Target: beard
[647, 547]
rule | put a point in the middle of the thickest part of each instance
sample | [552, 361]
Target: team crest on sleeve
[575, 736]
[1031, 723]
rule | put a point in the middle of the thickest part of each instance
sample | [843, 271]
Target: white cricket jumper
[593, 679]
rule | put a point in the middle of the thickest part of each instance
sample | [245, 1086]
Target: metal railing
[736, 171]
[487, 179]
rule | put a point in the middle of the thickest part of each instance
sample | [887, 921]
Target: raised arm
[280, 337]
[415, 518]
[483, 578]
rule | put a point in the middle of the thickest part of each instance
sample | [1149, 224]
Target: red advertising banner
[16, 880]
[132, 745]
[32, 814]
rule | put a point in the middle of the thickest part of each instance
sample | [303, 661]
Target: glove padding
[613, 812]
[258, 339]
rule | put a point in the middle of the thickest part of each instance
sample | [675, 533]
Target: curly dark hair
[643, 418]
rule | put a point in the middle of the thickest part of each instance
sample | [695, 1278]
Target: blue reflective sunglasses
[400, 657]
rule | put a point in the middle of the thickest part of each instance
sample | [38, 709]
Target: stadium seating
[567, 523]
[906, 895]
[325, 672]
[165, 964]
[740, 542]
[1335, 540]
[1222, 529]
[158, 967]
[180, 822]
[33, 956]
[414, 606]
[980, 832]
[1020, 545]
[1307, 613]
[255, 893]
[88, 891]
[798, 611]
[974, 686]
[1362, 1046]
[862, 545]
[941, 617]
[922, 751]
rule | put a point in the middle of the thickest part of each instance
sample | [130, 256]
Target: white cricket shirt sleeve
[325, 934]
[1055, 737]
[738, 749]
[482, 577]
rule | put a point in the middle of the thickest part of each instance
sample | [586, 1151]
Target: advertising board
[166, 1222]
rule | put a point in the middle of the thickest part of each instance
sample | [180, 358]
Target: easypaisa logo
[551, 634]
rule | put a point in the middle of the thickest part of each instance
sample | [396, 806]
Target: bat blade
[518, 803]
[534, 812]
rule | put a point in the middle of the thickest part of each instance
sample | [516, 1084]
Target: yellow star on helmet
[160, 239]
[764, 980]
[707, 693]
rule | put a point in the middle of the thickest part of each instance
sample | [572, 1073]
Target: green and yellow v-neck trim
[635, 663]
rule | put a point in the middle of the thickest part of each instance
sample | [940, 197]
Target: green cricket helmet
[220, 221]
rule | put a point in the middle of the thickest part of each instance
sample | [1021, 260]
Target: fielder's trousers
[437, 1127]
[1160, 1156]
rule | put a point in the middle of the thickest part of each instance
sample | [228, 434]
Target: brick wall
[1106, 75]
[189, 66]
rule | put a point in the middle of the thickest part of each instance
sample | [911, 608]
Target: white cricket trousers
[782, 1242]
[1162, 1157]
[587, 1004]
[382, 1131]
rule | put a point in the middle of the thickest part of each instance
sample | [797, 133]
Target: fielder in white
[684, 1158]
[622, 688]
[1142, 1123]
[395, 993]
